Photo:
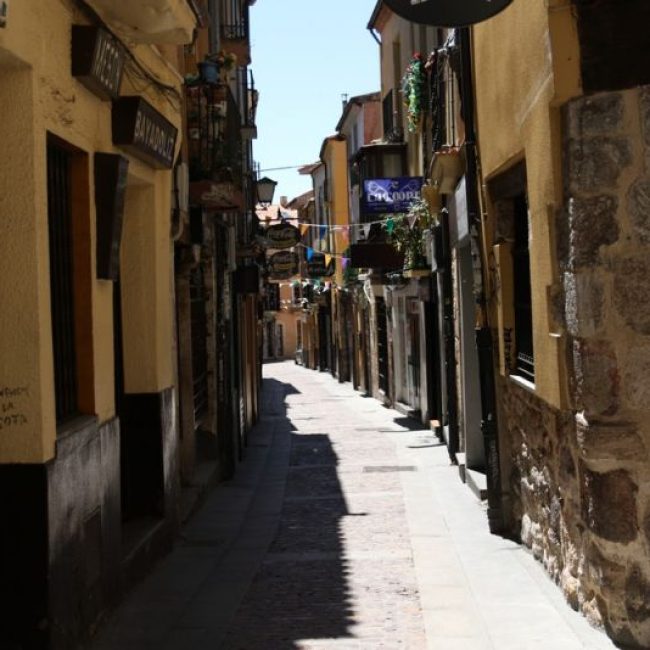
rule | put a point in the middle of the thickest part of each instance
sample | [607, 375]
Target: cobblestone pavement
[340, 572]
[345, 528]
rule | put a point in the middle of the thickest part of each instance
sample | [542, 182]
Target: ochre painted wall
[519, 81]
[39, 96]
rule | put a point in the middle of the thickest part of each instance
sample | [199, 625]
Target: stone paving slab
[345, 529]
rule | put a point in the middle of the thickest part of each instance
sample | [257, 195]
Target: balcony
[214, 147]
[150, 21]
[234, 30]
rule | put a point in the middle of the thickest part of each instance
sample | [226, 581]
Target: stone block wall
[580, 478]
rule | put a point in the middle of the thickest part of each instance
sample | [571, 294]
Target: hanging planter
[407, 233]
[413, 87]
[209, 71]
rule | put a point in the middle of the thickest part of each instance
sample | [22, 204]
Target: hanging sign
[280, 236]
[283, 265]
[390, 195]
[317, 268]
[222, 196]
[140, 129]
[447, 13]
[97, 60]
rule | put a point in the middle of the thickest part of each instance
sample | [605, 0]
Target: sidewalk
[344, 528]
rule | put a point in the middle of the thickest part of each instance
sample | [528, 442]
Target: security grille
[199, 345]
[61, 280]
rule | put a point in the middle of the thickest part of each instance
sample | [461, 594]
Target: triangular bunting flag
[365, 229]
[411, 219]
[303, 229]
[323, 232]
[328, 259]
[310, 254]
[344, 262]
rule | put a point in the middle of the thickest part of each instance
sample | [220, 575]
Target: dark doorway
[382, 345]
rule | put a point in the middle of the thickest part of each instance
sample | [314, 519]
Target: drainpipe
[484, 345]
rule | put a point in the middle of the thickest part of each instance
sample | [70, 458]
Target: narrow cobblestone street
[346, 528]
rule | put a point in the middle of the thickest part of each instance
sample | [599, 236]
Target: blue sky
[306, 54]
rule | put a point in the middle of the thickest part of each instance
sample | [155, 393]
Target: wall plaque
[97, 60]
[141, 130]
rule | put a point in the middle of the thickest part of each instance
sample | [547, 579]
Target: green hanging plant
[406, 232]
[413, 88]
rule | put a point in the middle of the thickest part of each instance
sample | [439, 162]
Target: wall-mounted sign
[280, 236]
[283, 265]
[375, 256]
[316, 267]
[447, 13]
[4, 9]
[140, 129]
[110, 187]
[97, 60]
[220, 196]
[390, 195]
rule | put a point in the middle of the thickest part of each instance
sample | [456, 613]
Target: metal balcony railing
[214, 133]
[235, 20]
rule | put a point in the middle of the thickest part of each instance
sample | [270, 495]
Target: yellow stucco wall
[39, 96]
[335, 159]
[520, 81]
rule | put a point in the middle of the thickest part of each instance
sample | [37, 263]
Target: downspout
[484, 344]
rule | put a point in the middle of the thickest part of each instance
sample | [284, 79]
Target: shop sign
[97, 60]
[447, 13]
[316, 267]
[375, 256]
[141, 130]
[280, 236]
[283, 265]
[390, 195]
[220, 196]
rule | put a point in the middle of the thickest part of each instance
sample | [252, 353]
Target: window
[509, 195]
[59, 209]
[524, 363]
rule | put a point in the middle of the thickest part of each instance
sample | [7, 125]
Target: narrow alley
[345, 528]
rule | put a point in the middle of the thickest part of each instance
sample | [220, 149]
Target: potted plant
[216, 65]
[407, 233]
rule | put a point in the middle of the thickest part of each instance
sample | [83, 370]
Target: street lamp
[265, 188]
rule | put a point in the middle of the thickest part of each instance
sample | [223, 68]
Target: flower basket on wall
[407, 233]
[413, 91]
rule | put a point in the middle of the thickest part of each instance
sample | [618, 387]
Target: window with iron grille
[59, 206]
[525, 363]
[509, 194]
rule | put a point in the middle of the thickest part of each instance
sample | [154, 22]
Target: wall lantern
[265, 188]
[447, 13]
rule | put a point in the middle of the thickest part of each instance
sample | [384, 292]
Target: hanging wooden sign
[317, 268]
[280, 236]
[283, 265]
[447, 13]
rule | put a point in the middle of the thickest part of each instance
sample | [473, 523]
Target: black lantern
[265, 188]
